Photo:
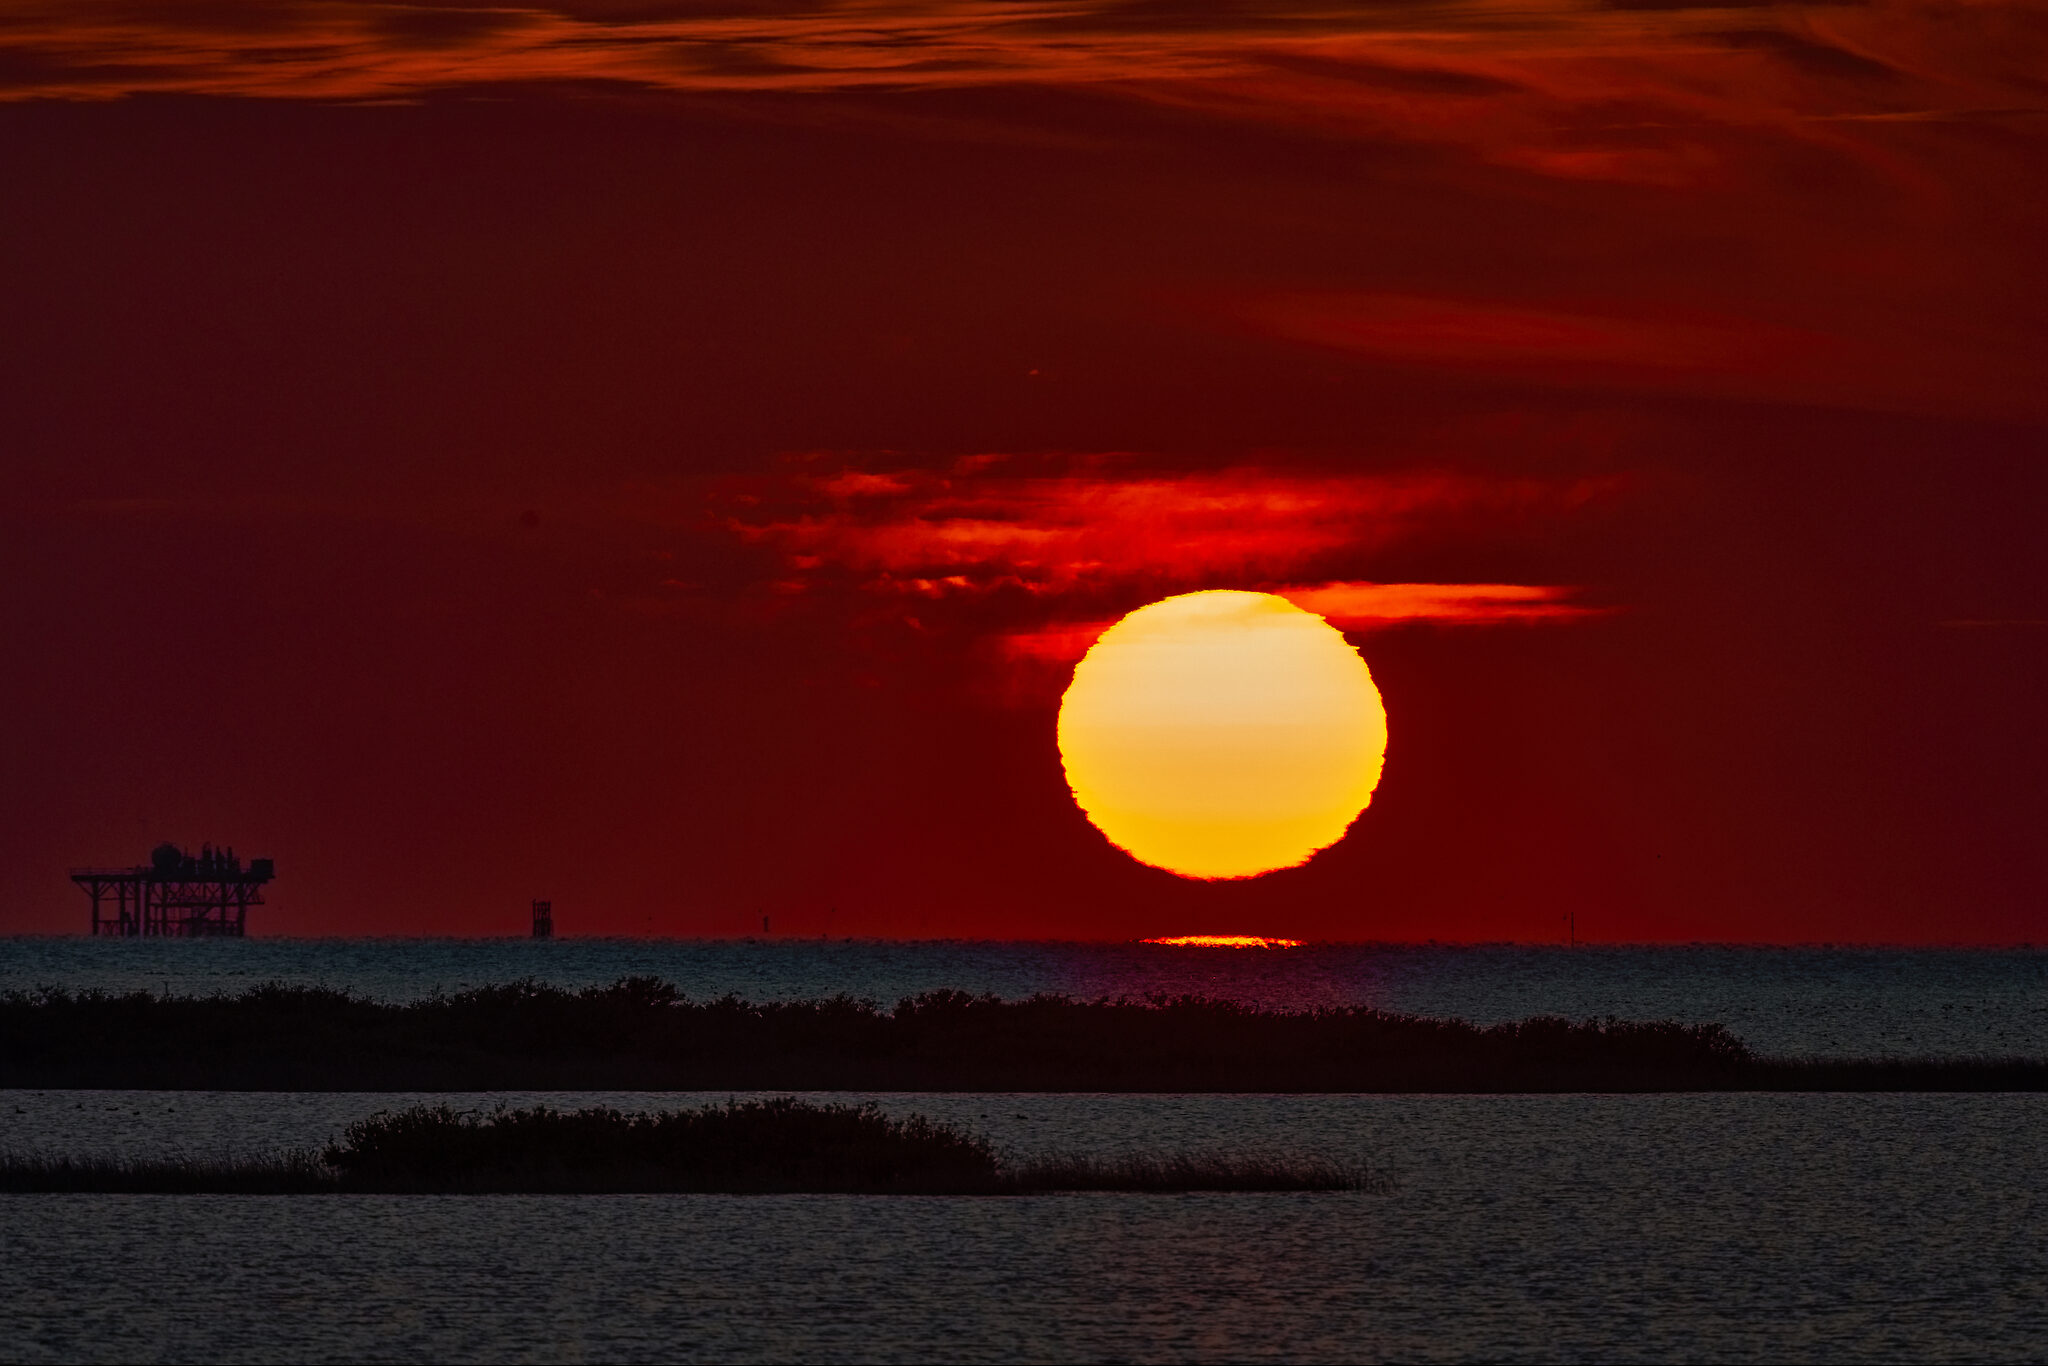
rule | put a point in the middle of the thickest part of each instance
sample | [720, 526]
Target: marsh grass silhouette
[642, 1034]
[293, 1173]
[761, 1145]
[785, 1146]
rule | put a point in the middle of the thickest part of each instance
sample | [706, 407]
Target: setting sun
[1222, 734]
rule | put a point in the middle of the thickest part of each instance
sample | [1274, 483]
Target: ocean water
[1797, 1002]
[1819, 1228]
[1541, 1228]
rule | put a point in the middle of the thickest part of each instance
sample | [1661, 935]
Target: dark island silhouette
[642, 1034]
[780, 1146]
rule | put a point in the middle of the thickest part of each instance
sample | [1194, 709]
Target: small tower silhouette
[543, 920]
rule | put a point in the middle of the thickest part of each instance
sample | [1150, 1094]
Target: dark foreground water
[1551, 1228]
[1808, 1002]
[1600, 1228]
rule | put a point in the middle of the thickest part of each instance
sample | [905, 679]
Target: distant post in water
[543, 920]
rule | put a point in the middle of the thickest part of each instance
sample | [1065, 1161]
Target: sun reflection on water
[1224, 941]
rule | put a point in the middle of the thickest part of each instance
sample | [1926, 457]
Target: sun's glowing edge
[1224, 941]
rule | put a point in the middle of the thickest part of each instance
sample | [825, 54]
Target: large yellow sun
[1222, 734]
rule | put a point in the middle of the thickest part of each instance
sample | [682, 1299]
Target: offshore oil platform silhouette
[178, 894]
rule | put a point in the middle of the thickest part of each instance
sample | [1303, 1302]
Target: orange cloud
[1573, 346]
[1352, 607]
[1035, 558]
[1060, 643]
[1362, 606]
[1438, 331]
[1519, 83]
[1750, 127]
[980, 527]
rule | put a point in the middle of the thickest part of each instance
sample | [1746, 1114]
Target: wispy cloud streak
[1355, 607]
[1815, 158]
[1365, 606]
[1038, 558]
[990, 523]
[1480, 72]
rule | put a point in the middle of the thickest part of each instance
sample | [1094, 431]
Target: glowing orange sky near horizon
[1222, 734]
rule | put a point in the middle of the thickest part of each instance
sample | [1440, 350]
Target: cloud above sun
[1039, 554]
[989, 522]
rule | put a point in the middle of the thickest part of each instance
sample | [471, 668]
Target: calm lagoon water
[1791, 1002]
[1540, 1228]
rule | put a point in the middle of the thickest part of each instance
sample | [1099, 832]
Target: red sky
[666, 456]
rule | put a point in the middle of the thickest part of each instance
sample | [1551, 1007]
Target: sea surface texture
[1742, 1227]
[1803, 1002]
[1822, 1228]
